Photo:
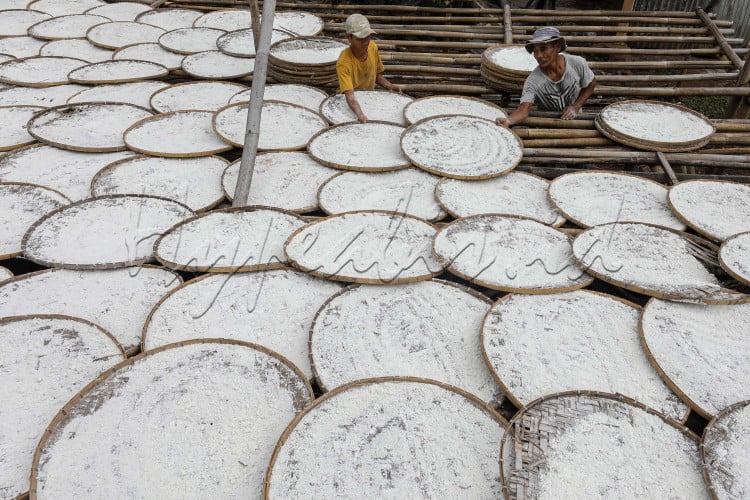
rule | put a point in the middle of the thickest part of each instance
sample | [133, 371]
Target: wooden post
[255, 22]
[508, 25]
[725, 47]
[252, 129]
[627, 5]
[667, 167]
[738, 107]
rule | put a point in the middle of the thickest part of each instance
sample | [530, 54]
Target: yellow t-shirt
[356, 74]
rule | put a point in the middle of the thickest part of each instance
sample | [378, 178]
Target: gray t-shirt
[556, 96]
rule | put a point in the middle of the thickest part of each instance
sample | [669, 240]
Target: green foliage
[710, 106]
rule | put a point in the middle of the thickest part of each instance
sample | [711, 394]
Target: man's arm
[572, 111]
[351, 100]
[381, 80]
[517, 116]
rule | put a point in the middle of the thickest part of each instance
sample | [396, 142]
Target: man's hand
[397, 88]
[362, 118]
[570, 113]
[503, 122]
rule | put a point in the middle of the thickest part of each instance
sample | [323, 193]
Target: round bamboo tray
[77, 49]
[592, 198]
[196, 96]
[194, 182]
[37, 71]
[68, 172]
[99, 126]
[699, 351]
[703, 205]
[284, 126]
[5, 273]
[118, 34]
[135, 93]
[150, 52]
[16, 22]
[21, 205]
[102, 233]
[46, 360]
[118, 300]
[298, 23]
[724, 452]
[373, 247]
[57, 8]
[377, 105]
[46, 97]
[120, 71]
[408, 191]
[301, 95]
[506, 67]
[427, 107]
[120, 11]
[655, 261]
[366, 331]
[5, 58]
[190, 40]
[215, 65]
[63, 27]
[364, 147]
[510, 254]
[200, 309]
[287, 180]
[203, 243]
[14, 119]
[21, 46]
[461, 147]
[598, 444]
[180, 134]
[224, 19]
[654, 126]
[580, 340]
[514, 193]
[454, 440]
[169, 19]
[221, 381]
[305, 60]
[733, 257]
[241, 43]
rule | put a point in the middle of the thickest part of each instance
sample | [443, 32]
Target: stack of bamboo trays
[305, 60]
[505, 67]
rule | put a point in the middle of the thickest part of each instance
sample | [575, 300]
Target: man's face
[546, 53]
[359, 44]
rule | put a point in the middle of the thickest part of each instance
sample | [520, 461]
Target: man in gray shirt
[562, 82]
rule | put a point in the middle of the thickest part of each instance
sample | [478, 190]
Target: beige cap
[358, 25]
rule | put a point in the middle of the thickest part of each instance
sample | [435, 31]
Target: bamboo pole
[447, 59]
[421, 69]
[685, 77]
[653, 65]
[730, 139]
[551, 133]
[255, 21]
[667, 167]
[566, 143]
[558, 123]
[435, 88]
[670, 92]
[554, 172]
[507, 24]
[723, 43]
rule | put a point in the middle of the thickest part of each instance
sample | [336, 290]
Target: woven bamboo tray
[118, 300]
[16, 22]
[427, 107]
[554, 443]
[403, 330]
[120, 11]
[77, 49]
[509, 253]
[196, 96]
[20, 46]
[224, 19]
[724, 452]
[46, 97]
[46, 360]
[190, 40]
[506, 67]
[62, 27]
[220, 381]
[703, 205]
[150, 52]
[377, 105]
[655, 261]
[212, 306]
[68, 172]
[241, 43]
[180, 134]
[97, 127]
[364, 147]
[120, 71]
[135, 93]
[699, 351]
[461, 147]
[21, 205]
[229, 240]
[581, 340]
[169, 19]
[434, 439]
[291, 60]
[405, 191]
[117, 34]
[194, 182]
[592, 198]
[14, 119]
[298, 23]
[288, 180]
[39, 71]
[734, 257]
[57, 8]
[215, 65]
[102, 233]
[654, 126]
[373, 247]
[514, 193]
[301, 95]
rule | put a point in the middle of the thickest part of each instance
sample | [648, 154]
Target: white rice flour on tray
[13, 133]
[119, 71]
[726, 455]
[76, 48]
[135, 93]
[366, 147]
[734, 256]
[190, 40]
[151, 52]
[654, 121]
[704, 205]
[195, 96]
[427, 107]
[215, 65]
[378, 105]
[169, 19]
[176, 134]
[117, 34]
[514, 58]
[39, 71]
[302, 95]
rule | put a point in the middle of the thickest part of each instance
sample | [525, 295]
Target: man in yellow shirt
[359, 67]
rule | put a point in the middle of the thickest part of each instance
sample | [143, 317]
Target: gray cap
[544, 35]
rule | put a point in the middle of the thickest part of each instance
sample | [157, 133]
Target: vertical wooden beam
[255, 22]
[723, 44]
[667, 167]
[628, 5]
[507, 24]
